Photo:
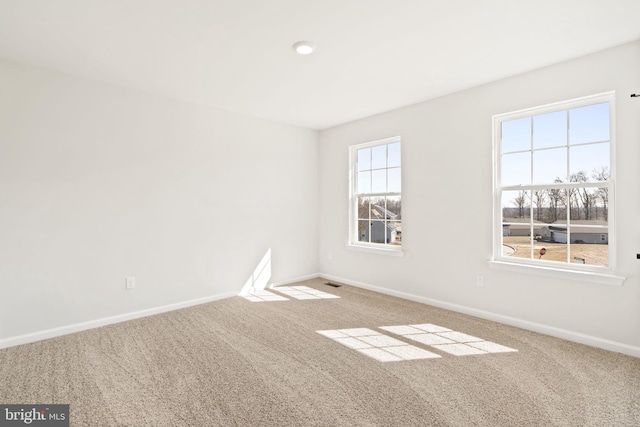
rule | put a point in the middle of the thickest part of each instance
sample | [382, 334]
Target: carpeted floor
[237, 362]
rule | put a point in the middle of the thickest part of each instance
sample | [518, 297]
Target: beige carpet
[236, 362]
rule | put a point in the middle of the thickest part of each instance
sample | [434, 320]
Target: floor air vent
[335, 285]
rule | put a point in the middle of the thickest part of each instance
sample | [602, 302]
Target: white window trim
[558, 273]
[353, 242]
[397, 252]
[591, 274]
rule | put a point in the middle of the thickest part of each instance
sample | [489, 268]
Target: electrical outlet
[131, 282]
[479, 281]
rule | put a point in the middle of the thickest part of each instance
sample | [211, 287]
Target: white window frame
[585, 273]
[353, 242]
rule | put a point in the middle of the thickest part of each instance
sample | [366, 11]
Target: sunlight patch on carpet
[447, 340]
[303, 292]
[261, 296]
[376, 345]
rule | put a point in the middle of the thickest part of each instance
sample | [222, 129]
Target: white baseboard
[507, 320]
[91, 324]
[294, 280]
[69, 329]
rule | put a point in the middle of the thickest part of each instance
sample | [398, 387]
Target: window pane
[378, 209]
[364, 159]
[585, 203]
[550, 130]
[515, 206]
[516, 224]
[394, 206]
[394, 155]
[363, 231]
[379, 157]
[592, 253]
[550, 166]
[394, 180]
[516, 169]
[396, 227]
[516, 242]
[553, 251]
[589, 243]
[517, 246]
[573, 203]
[379, 181]
[516, 135]
[551, 234]
[601, 206]
[589, 159]
[363, 207]
[553, 210]
[364, 182]
[378, 232]
[539, 201]
[601, 174]
[590, 123]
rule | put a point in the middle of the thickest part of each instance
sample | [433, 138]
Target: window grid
[574, 188]
[376, 194]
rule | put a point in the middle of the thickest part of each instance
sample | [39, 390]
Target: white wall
[98, 183]
[447, 207]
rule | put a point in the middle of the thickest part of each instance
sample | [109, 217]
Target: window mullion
[558, 185]
[378, 194]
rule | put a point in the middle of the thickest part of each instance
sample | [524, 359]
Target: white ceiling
[372, 55]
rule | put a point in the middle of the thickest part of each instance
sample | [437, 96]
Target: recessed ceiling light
[304, 48]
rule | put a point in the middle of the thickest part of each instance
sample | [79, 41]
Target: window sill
[559, 273]
[378, 251]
